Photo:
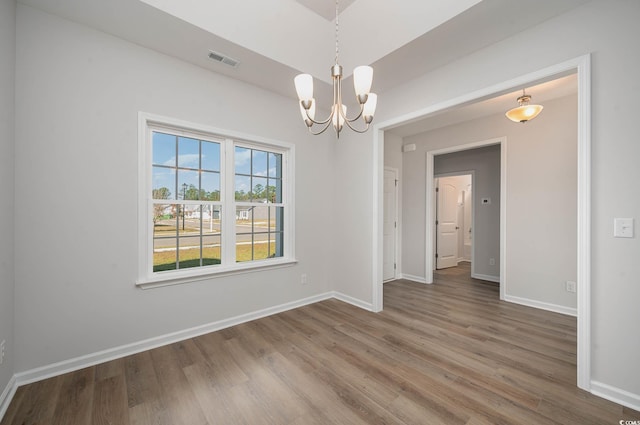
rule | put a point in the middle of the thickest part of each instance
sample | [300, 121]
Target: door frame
[582, 66]
[472, 173]
[396, 272]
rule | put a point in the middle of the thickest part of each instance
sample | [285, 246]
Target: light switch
[623, 227]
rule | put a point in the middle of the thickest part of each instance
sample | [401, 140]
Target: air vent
[219, 57]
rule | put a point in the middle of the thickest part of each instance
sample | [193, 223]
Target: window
[211, 203]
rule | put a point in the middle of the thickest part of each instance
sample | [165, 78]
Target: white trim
[582, 65]
[486, 277]
[92, 359]
[413, 278]
[396, 254]
[7, 395]
[616, 395]
[378, 205]
[569, 311]
[351, 300]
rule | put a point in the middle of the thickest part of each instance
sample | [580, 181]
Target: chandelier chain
[337, 49]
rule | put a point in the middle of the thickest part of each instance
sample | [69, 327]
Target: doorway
[582, 67]
[454, 220]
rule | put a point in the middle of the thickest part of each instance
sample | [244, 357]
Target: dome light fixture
[524, 112]
[362, 79]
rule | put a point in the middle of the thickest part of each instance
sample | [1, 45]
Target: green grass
[166, 260]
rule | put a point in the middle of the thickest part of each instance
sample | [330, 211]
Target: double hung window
[210, 202]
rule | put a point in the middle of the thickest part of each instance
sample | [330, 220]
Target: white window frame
[147, 124]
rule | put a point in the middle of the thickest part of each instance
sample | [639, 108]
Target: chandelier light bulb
[370, 107]
[362, 79]
[304, 86]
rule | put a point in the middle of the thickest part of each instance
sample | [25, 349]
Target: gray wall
[7, 67]
[486, 164]
[605, 29]
[76, 144]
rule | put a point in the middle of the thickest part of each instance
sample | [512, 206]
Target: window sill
[177, 278]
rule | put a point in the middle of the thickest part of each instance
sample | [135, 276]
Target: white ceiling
[276, 39]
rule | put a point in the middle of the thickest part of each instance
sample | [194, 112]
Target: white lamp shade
[337, 117]
[362, 79]
[370, 105]
[312, 110]
[524, 113]
[304, 86]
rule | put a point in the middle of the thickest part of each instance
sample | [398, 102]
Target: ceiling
[275, 40]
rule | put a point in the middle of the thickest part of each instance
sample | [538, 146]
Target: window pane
[211, 221]
[259, 163]
[242, 160]
[275, 165]
[242, 188]
[211, 251]
[164, 222]
[188, 153]
[189, 220]
[210, 156]
[189, 252]
[164, 183]
[274, 190]
[164, 254]
[164, 149]
[188, 183]
[258, 191]
[210, 186]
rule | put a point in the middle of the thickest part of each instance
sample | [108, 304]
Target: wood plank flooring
[448, 353]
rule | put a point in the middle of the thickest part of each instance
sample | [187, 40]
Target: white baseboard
[7, 396]
[413, 278]
[92, 359]
[486, 277]
[353, 301]
[616, 395]
[570, 311]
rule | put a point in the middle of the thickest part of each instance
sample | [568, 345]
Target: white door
[446, 224]
[390, 224]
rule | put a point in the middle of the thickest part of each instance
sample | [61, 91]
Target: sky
[252, 167]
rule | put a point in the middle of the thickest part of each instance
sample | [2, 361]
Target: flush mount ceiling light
[362, 79]
[525, 111]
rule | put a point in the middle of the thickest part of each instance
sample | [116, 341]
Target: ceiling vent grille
[219, 57]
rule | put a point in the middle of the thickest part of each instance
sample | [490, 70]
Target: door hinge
[436, 255]
[396, 180]
[436, 222]
[394, 266]
[437, 189]
[395, 224]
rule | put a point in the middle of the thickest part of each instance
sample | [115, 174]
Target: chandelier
[362, 79]
[524, 112]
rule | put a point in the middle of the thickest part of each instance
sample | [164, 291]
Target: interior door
[446, 224]
[389, 225]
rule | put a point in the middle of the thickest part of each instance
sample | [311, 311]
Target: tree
[257, 191]
[158, 209]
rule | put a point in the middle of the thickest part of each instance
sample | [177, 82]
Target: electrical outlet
[2, 350]
[303, 278]
[492, 261]
[571, 286]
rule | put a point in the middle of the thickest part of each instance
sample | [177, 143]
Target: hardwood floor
[448, 353]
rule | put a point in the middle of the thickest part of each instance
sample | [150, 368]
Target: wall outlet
[571, 286]
[492, 261]
[2, 350]
[303, 278]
